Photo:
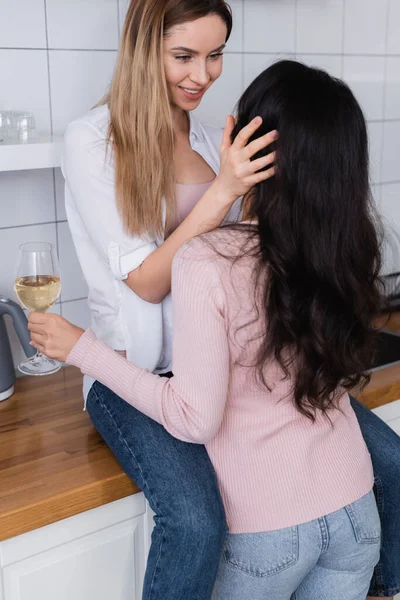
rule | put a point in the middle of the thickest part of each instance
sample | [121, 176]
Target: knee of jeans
[208, 527]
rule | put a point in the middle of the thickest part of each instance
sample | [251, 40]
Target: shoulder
[88, 132]
[212, 135]
[85, 139]
[214, 249]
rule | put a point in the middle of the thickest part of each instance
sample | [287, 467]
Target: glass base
[39, 365]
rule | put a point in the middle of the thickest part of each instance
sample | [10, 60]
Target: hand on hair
[238, 172]
[53, 335]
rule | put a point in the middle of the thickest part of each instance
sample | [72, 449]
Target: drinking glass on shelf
[16, 126]
[37, 285]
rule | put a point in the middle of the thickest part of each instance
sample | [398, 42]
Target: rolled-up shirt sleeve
[90, 186]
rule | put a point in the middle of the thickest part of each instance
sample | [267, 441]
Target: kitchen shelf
[41, 152]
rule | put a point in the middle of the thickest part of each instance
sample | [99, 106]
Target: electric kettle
[7, 371]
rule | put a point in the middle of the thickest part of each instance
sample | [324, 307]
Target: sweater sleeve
[191, 404]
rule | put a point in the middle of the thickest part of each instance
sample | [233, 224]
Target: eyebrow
[190, 51]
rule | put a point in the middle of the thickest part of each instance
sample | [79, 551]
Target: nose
[199, 74]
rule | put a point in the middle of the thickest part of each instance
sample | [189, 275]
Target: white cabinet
[97, 555]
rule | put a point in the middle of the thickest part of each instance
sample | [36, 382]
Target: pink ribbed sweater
[275, 468]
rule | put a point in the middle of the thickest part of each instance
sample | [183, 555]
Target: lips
[192, 94]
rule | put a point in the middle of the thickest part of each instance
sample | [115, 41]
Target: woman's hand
[53, 335]
[238, 172]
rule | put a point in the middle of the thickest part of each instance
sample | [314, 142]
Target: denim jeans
[326, 559]
[384, 446]
[179, 483]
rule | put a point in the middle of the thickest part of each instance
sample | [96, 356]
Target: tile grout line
[343, 37]
[336, 54]
[384, 95]
[73, 300]
[51, 123]
[118, 19]
[33, 224]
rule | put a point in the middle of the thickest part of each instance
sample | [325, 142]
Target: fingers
[38, 338]
[226, 139]
[261, 163]
[38, 318]
[262, 142]
[38, 347]
[36, 328]
[261, 176]
[245, 134]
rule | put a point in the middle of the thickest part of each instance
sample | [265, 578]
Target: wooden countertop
[54, 465]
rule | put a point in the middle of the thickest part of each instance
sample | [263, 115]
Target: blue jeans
[178, 480]
[384, 446]
[326, 559]
[179, 483]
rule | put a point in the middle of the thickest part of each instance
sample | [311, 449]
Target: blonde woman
[143, 176]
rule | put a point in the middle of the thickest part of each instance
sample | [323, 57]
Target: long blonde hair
[141, 130]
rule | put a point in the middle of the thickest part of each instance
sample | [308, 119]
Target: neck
[181, 120]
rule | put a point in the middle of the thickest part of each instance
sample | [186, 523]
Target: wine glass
[37, 285]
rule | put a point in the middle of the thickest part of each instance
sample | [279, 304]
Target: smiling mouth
[192, 92]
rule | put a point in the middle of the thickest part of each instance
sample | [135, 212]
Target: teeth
[191, 91]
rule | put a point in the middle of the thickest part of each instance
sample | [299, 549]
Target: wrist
[222, 195]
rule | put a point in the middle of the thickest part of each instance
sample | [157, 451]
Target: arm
[152, 280]
[191, 404]
[137, 261]
[91, 207]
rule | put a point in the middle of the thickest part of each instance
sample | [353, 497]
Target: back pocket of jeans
[364, 517]
[262, 554]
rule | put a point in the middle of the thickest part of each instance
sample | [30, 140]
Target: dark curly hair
[319, 237]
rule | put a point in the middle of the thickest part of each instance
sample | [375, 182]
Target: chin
[188, 106]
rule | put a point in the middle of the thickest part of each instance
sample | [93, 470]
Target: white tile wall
[60, 72]
[391, 151]
[23, 24]
[333, 63]
[269, 26]
[392, 105]
[73, 284]
[90, 25]
[59, 189]
[366, 77]
[78, 81]
[319, 26]
[254, 64]
[77, 311]
[122, 8]
[24, 83]
[26, 197]
[365, 26]
[235, 43]
[393, 40]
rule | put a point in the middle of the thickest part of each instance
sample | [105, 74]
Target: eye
[216, 56]
[183, 57]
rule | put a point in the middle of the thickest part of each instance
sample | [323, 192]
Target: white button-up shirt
[107, 254]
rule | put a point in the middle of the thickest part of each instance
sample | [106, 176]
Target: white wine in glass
[38, 286]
